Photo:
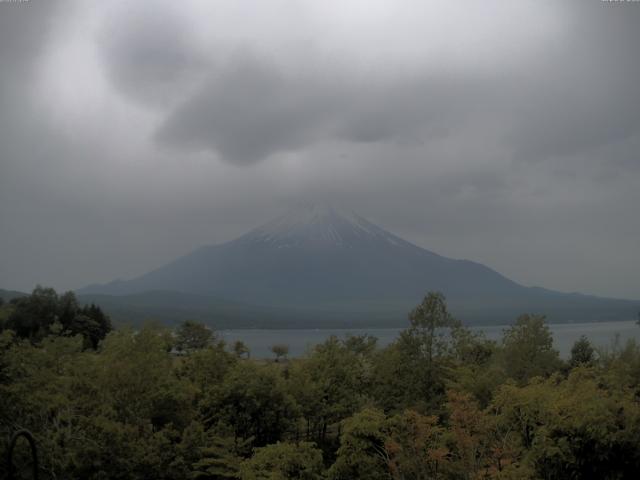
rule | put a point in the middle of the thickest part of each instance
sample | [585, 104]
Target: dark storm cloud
[150, 53]
[251, 109]
[577, 95]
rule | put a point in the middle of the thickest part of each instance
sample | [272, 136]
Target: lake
[300, 341]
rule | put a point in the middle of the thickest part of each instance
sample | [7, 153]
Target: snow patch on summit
[320, 225]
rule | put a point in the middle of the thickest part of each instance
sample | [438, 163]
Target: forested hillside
[438, 403]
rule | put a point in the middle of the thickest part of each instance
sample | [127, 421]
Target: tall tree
[44, 313]
[362, 452]
[430, 326]
[253, 402]
[413, 370]
[284, 461]
[241, 349]
[528, 349]
[582, 353]
[34, 315]
[192, 336]
[330, 385]
[280, 350]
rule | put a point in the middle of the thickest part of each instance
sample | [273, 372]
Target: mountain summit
[321, 226]
[323, 259]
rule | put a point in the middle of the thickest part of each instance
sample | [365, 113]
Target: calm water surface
[300, 341]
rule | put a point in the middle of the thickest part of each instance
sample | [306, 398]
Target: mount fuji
[320, 266]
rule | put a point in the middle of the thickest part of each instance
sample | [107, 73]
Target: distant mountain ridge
[322, 259]
[8, 295]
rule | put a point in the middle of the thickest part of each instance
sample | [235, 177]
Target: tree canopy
[44, 313]
[439, 402]
[192, 336]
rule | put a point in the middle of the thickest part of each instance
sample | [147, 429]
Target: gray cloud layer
[508, 134]
[574, 96]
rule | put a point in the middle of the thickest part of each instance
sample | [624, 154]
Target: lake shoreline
[259, 341]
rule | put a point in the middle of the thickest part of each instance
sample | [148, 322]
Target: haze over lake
[259, 341]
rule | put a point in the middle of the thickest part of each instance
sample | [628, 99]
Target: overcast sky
[132, 132]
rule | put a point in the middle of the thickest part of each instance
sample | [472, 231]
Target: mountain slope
[8, 295]
[325, 259]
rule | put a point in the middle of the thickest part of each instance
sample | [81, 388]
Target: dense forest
[440, 402]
